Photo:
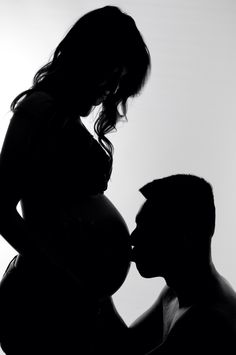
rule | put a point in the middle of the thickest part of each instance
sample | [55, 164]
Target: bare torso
[208, 324]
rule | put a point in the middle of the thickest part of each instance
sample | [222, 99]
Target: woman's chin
[85, 111]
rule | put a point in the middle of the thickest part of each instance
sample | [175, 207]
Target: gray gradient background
[183, 122]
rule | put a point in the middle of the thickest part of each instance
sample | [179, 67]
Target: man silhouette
[196, 310]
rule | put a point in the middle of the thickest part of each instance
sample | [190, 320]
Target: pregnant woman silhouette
[72, 243]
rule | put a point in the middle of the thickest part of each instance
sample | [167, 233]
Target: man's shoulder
[167, 295]
[202, 328]
[219, 309]
[210, 321]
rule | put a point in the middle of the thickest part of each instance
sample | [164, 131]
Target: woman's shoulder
[36, 103]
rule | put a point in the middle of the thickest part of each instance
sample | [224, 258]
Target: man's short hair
[186, 200]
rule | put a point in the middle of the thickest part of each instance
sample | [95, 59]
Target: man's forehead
[139, 215]
[144, 212]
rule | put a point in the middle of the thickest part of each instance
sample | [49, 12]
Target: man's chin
[145, 271]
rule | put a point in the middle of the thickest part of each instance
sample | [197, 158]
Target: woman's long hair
[103, 45]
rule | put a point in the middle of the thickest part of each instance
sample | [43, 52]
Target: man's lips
[133, 254]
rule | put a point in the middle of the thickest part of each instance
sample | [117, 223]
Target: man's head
[174, 225]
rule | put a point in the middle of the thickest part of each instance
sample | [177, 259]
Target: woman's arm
[15, 164]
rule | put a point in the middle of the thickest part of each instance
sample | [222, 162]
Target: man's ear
[190, 242]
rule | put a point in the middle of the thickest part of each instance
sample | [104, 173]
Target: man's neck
[194, 285]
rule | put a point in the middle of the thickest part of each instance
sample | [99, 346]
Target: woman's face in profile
[97, 93]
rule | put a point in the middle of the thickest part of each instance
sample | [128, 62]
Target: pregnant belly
[95, 243]
[98, 244]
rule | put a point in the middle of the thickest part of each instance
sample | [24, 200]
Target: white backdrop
[184, 121]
